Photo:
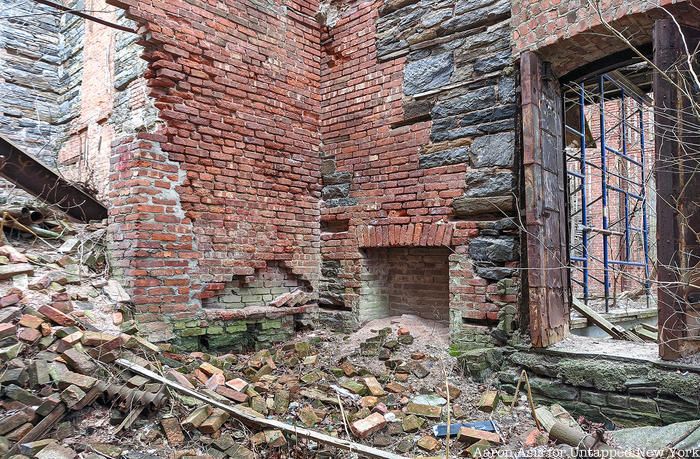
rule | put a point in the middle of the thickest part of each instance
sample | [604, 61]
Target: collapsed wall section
[417, 123]
[70, 86]
[230, 184]
[103, 93]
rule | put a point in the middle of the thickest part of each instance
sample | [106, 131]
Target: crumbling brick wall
[231, 182]
[104, 95]
[418, 149]
[70, 87]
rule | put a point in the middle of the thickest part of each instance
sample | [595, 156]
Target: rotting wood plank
[241, 415]
[33, 177]
[604, 324]
[545, 219]
[645, 334]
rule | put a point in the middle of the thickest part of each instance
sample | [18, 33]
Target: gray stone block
[495, 205]
[493, 150]
[476, 99]
[444, 158]
[493, 62]
[494, 272]
[481, 184]
[428, 73]
[335, 191]
[496, 250]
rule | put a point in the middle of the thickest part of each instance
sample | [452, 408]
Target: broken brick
[232, 394]
[56, 316]
[373, 386]
[369, 425]
[7, 330]
[173, 432]
[197, 417]
[427, 411]
[214, 422]
[29, 335]
[30, 321]
[469, 435]
[488, 401]
[79, 361]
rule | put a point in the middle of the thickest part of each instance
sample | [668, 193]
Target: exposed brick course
[569, 33]
[231, 182]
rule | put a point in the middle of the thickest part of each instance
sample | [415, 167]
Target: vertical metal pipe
[584, 190]
[645, 224]
[626, 185]
[604, 182]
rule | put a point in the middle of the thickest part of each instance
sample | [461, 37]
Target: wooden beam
[630, 87]
[671, 315]
[363, 450]
[89, 17]
[33, 177]
[604, 324]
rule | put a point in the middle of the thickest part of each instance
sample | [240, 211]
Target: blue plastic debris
[440, 430]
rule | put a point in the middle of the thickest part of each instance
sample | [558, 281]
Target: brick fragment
[197, 417]
[173, 432]
[469, 436]
[56, 316]
[232, 394]
[214, 422]
[79, 361]
[488, 401]
[365, 427]
[10, 271]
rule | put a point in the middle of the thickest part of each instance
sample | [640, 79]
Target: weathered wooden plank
[544, 203]
[604, 324]
[33, 177]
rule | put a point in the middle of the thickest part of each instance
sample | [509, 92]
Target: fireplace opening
[405, 280]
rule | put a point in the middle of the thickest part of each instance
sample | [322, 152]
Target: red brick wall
[374, 146]
[84, 156]
[628, 277]
[232, 180]
[569, 33]
[405, 280]
[361, 97]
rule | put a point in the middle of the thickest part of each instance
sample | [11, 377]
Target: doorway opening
[611, 196]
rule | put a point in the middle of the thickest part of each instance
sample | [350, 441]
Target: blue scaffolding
[590, 216]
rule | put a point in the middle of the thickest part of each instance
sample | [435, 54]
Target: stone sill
[259, 312]
[610, 349]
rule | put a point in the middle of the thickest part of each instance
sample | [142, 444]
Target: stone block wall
[417, 123]
[29, 78]
[627, 392]
[230, 183]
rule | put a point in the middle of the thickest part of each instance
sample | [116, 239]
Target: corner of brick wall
[230, 183]
[151, 240]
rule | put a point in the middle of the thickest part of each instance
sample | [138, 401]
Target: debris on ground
[76, 380]
[64, 326]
